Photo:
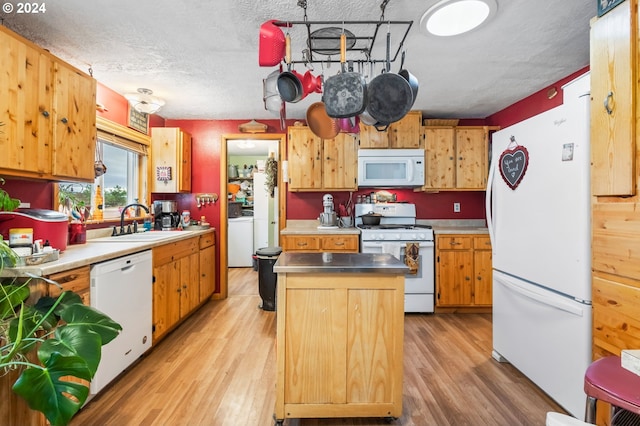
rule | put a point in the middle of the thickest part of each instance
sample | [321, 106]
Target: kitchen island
[340, 333]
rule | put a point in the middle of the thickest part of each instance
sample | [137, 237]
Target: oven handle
[400, 243]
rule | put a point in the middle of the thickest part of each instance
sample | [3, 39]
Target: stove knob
[422, 237]
[414, 236]
[381, 236]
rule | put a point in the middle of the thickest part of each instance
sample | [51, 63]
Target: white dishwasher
[122, 289]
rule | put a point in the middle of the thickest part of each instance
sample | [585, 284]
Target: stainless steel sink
[139, 237]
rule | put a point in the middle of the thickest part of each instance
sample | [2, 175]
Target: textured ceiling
[201, 56]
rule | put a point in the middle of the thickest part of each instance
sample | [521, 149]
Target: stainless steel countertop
[330, 263]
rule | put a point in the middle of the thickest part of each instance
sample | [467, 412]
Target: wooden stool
[607, 381]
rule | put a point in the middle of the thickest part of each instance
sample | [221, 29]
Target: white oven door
[419, 287]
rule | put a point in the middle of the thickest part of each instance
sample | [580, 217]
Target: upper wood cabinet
[456, 158]
[321, 164]
[48, 111]
[404, 133]
[171, 148]
[613, 68]
[74, 138]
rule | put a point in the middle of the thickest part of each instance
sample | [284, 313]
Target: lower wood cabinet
[339, 345]
[207, 266]
[320, 243]
[463, 271]
[176, 284]
[77, 280]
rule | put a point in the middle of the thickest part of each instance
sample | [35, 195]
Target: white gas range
[397, 228]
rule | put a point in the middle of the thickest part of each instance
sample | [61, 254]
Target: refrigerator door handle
[563, 306]
[487, 202]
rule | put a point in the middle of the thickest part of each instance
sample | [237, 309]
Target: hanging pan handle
[287, 51]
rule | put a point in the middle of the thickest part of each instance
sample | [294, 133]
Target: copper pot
[320, 123]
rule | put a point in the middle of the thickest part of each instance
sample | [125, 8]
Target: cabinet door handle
[340, 244]
[607, 105]
[467, 278]
[45, 113]
[453, 243]
[302, 244]
[479, 278]
[64, 120]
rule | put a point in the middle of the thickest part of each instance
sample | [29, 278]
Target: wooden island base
[340, 332]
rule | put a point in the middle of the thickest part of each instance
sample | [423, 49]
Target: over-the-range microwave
[389, 168]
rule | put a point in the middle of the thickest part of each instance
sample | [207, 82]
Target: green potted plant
[7, 203]
[66, 335]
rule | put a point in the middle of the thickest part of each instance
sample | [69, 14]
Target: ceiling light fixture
[453, 17]
[144, 101]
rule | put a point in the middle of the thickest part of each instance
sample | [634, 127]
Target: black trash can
[267, 279]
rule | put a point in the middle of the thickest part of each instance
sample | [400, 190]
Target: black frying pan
[345, 94]
[390, 95]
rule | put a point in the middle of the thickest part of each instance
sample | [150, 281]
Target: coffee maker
[328, 217]
[166, 215]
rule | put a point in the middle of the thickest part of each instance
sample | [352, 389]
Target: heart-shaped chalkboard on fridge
[513, 164]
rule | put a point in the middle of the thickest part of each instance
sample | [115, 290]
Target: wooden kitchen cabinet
[340, 345]
[613, 65]
[74, 117]
[207, 266]
[456, 158]
[320, 243]
[176, 284]
[171, 150]
[463, 270]
[317, 164]
[404, 133]
[77, 280]
[48, 111]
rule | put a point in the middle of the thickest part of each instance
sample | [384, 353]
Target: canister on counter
[186, 218]
[20, 237]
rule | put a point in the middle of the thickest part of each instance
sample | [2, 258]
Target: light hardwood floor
[218, 368]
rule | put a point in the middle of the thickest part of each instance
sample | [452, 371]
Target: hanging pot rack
[364, 43]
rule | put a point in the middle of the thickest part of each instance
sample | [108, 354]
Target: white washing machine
[240, 242]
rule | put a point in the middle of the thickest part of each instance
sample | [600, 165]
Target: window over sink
[121, 175]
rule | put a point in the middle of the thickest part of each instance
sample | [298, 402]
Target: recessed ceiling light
[453, 17]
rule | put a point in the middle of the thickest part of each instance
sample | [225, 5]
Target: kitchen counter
[453, 226]
[310, 227]
[339, 263]
[441, 230]
[95, 251]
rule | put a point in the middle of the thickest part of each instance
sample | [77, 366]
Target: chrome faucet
[124, 210]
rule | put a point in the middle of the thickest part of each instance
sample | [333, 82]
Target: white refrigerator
[265, 216]
[540, 234]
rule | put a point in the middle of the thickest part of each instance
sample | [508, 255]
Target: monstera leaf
[44, 390]
[69, 337]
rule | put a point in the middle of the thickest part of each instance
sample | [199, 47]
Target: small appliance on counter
[328, 218]
[47, 225]
[166, 215]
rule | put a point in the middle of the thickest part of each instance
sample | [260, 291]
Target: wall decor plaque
[513, 163]
[606, 5]
[138, 120]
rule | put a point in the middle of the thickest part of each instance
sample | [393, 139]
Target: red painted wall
[533, 104]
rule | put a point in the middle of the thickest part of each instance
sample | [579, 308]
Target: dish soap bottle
[97, 213]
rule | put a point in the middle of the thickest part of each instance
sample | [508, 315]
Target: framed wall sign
[138, 120]
[606, 5]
